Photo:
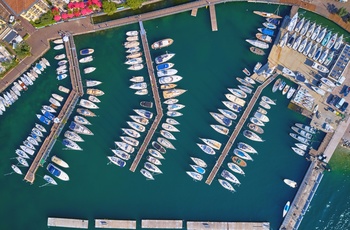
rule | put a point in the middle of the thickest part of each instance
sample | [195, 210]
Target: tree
[22, 50]
[109, 7]
[134, 4]
[342, 12]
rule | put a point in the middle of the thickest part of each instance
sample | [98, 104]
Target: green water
[208, 62]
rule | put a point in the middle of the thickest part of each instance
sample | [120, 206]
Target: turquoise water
[208, 62]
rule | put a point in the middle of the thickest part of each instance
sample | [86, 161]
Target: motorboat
[40, 127]
[195, 175]
[228, 113]
[73, 136]
[16, 169]
[221, 119]
[250, 80]
[292, 22]
[136, 126]
[156, 153]
[198, 169]
[302, 132]
[268, 100]
[164, 58]
[86, 51]
[285, 89]
[121, 154]
[306, 128]
[153, 160]
[133, 49]
[94, 99]
[58, 47]
[43, 119]
[158, 147]
[261, 117]
[269, 25]
[233, 106]
[238, 92]
[125, 147]
[62, 62]
[59, 162]
[169, 79]
[139, 85]
[207, 149]
[320, 68]
[162, 43]
[91, 83]
[230, 177]
[171, 101]
[37, 132]
[266, 31]
[235, 99]
[220, 129]
[264, 105]
[286, 209]
[86, 59]
[169, 127]
[252, 136]
[89, 70]
[146, 174]
[255, 128]
[284, 40]
[235, 168]
[141, 92]
[226, 185]
[151, 167]
[290, 183]
[146, 104]
[266, 15]
[130, 140]
[63, 89]
[167, 134]
[163, 66]
[49, 109]
[134, 55]
[57, 172]
[57, 97]
[246, 71]
[257, 67]
[144, 113]
[137, 79]
[134, 61]
[244, 82]
[139, 119]
[132, 33]
[300, 138]
[54, 102]
[199, 162]
[131, 132]
[117, 161]
[166, 72]
[239, 161]
[86, 112]
[242, 154]
[175, 107]
[131, 44]
[258, 43]
[257, 51]
[27, 150]
[291, 39]
[301, 146]
[164, 142]
[50, 180]
[132, 38]
[246, 148]
[95, 92]
[81, 129]
[172, 113]
[171, 93]
[172, 121]
[245, 89]
[212, 143]
[256, 121]
[58, 41]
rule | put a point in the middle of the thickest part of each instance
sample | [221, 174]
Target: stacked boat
[139, 85]
[134, 55]
[198, 169]
[283, 87]
[303, 134]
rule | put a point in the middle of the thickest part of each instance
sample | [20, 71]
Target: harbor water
[209, 62]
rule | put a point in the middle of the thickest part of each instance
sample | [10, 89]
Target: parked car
[12, 19]
[346, 90]
[344, 107]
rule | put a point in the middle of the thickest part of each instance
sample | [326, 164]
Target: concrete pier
[162, 224]
[214, 25]
[115, 224]
[194, 12]
[67, 223]
[201, 225]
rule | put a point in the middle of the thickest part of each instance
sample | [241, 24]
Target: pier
[194, 12]
[115, 224]
[64, 114]
[200, 225]
[214, 25]
[162, 224]
[156, 98]
[237, 129]
[67, 223]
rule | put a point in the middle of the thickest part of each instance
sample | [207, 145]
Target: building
[31, 10]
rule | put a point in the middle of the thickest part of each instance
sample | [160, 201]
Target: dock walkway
[156, 98]
[67, 223]
[63, 115]
[162, 224]
[237, 129]
[201, 225]
[214, 24]
[115, 224]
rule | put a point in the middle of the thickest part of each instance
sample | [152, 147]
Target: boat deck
[214, 24]
[67, 223]
[199, 225]
[237, 129]
[162, 224]
[115, 224]
[63, 115]
[156, 98]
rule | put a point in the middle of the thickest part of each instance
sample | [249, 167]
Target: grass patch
[340, 160]
[8, 67]
[26, 36]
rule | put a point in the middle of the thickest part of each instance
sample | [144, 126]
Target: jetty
[237, 129]
[162, 224]
[214, 25]
[67, 223]
[115, 224]
[156, 98]
[200, 225]
[64, 114]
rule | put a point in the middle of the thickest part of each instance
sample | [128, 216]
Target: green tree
[134, 4]
[22, 50]
[44, 20]
[342, 12]
[109, 7]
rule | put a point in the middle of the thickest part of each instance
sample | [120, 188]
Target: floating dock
[115, 224]
[194, 12]
[162, 224]
[156, 98]
[214, 25]
[67, 223]
[198, 225]
[237, 129]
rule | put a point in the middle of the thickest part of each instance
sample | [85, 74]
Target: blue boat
[164, 66]
[266, 31]
[273, 21]
[61, 76]
[43, 119]
[198, 169]
[326, 38]
[57, 172]
[48, 115]
[40, 67]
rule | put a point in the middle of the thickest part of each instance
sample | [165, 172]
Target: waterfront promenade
[156, 98]
[237, 129]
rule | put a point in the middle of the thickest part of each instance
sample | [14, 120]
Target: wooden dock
[63, 115]
[194, 12]
[214, 25]
[156, 98]
[237, 129]
[67, 223]
[162, 224]
[199, 225]
[115, 224]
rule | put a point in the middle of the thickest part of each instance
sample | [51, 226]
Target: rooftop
[18, 6]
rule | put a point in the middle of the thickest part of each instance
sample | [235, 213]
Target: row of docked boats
[133, 51]
[86, 59]
[303, 134]
[282, 86]
[139, 85]
[12, 93]
[48, 112]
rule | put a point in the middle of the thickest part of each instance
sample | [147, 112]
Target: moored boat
[198, 169]
[73, 136]
[300, 138]
[220, 129]
[207, 149]
[252, 136]
[257, 51]
[256, 121]
[131, 132]
[172, 121]
[172, 113]
[146, 174]
[16, 169]
[195, 175]
[306, 128]
[266, 14]
[117, 161]
[139, 119]
[89, 70]
[130, 140]
[239, 161]
[86, 112]
[121, 154]
[169, 127]
[59, 161]
[136, 126]
[156, 153]
[50, 180]
[171, 93]
[212, 143]
[86, 51]
[226, 185]
[290, 183]
[246, 148]
[164, 58]
[286, 209]
[221, 119]
[167, 134]
[153, 160]
[164, 142]
[144, 113]
[81, 129]
[255, 128]
[158, 147]
[242, 154]
[230, 177]
[146, 104]
[57, 172]
[268, 100]
[199, 162]
[151, 167]
[261, 117]
[125, 147]
[94, 99]
[235, 168]
[162, 43]
[91, 83]
[95, 92]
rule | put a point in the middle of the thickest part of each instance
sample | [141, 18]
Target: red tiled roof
[18, 6]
